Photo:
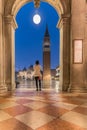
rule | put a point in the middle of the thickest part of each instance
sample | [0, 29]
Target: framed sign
[78, 51]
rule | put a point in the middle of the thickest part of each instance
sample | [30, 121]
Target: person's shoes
[40, 89]
[36, 89]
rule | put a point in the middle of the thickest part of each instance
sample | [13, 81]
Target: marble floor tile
[7, 104]
[84, 105]
[4, 115]
[57, 98]
[35, 119]
[67, 106]
[83, 100]
[14, 98]
[17, 110]
[13, 124]
[58, 124]
[53, 111]
[48, 101]
[73, 101]
[82, 110]
[75, 118]
[35, 105]
[3, 100]
[23, 101]
[27, 109]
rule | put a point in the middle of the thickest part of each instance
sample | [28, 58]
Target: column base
[10, 87]
[6, 89]
[77, 88]
[46, 83]
[63, 86]
[3, 90]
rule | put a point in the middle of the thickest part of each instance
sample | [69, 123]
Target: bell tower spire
[46, 59]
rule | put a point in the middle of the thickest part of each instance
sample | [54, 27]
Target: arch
[13, 6]
[9, 9]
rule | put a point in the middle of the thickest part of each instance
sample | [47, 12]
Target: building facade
[73, 43]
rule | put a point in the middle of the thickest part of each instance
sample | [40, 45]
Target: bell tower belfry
[46, 59]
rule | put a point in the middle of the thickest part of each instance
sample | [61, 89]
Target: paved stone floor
[48, 109]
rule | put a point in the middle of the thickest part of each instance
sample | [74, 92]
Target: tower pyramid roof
[46, 32]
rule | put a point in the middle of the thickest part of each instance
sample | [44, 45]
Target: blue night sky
[29, 36]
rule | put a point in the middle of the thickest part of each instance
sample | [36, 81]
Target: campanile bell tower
[46, 59]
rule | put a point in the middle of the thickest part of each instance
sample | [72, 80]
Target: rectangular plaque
[78, 51]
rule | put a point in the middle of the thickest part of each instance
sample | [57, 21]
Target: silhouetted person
[37, 75]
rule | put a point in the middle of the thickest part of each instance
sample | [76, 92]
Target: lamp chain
[36, 3]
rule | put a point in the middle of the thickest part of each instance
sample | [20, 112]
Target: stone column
[3, 89]
[85, 48]
[64, 25]
[78, 68]
[9, 50]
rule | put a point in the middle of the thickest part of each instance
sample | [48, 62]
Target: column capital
[10, 19]
[65, 18]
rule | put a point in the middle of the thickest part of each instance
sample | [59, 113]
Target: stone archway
[9, 25]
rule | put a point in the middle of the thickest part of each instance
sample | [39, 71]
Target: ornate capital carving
[65, 19]
[60, 23]
[10, 20]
